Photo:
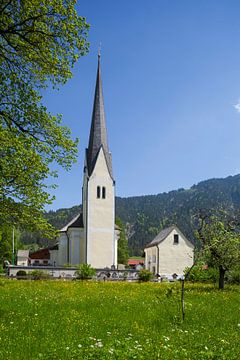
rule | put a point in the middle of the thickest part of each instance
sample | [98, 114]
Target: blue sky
[171, 83]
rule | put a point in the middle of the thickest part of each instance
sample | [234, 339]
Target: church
[91, 237]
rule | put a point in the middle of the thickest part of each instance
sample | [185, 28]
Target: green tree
[6, 248]
[220, 239]
[40, 40]
[123, 252]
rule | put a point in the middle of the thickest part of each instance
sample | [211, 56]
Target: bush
[21, 273]
[1, 270]
[85, 271]
[39, 274]
[201, 274]
[145, 275]
[233, 276]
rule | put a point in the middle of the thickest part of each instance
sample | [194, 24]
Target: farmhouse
[169, 253]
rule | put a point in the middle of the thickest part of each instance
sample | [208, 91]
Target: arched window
[103, 192]
[98, 192]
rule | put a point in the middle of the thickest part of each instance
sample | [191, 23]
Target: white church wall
[117, 235]
[76, 237]
[54, 257]
[100, 222]
[62, 249]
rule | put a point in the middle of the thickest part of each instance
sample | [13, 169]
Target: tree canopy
[220, 238]
[123, 252]
[40, 41]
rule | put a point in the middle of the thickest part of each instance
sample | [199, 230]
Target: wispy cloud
[237, 106]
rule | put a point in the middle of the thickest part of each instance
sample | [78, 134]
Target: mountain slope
[145, 216]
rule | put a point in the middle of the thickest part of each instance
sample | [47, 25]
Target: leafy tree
[40, 40]
[123, 253]
[220, 238]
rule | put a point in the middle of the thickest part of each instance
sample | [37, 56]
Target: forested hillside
[144, 216]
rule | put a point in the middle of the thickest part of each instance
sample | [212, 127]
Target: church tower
[98, 193]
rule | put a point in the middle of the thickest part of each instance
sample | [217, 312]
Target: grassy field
[89, 320]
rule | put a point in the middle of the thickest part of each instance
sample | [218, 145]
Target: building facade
[169, 253]
[91, 236]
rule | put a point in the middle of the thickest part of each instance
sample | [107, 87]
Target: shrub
[145, 275]
[199, 273]
[1, 270]
[21, 273]
[233, 276]
[39, 274]
[85, 271]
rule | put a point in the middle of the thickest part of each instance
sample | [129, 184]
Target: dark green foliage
[145, 275]
[21, 273]
[199, 273]
[145, 216]
[123, 253]
[39, 275]
[85, 271]
[233, 276]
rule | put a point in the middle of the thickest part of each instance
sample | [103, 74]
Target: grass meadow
[104, 320]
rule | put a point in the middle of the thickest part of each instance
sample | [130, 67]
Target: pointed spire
[98, 132]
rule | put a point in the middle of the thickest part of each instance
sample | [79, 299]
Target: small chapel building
[169, 253]
[91, 237]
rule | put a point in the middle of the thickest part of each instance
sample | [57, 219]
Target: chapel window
[98, 192]
[103, 192]
[176, 239]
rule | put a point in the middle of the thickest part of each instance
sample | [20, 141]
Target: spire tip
[99, 50]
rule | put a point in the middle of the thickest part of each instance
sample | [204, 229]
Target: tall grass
[103, 320]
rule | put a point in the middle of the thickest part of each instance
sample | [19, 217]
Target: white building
[91, 236]
[22, 257]
[169, 253]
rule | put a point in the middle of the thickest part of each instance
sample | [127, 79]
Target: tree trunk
[221, 277]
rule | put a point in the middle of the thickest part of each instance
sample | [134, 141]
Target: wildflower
[205, 347]
[79, 345]
[166, 338]
[99, 344]
[67, 348]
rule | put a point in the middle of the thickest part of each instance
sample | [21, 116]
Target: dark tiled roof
[75, 222]
[161, 236]
[98, 132]
[40, 254]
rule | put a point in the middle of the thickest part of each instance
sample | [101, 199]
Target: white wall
[101, 217]
[62, 249]
[22, 261]
[173, 258]
[76, 237]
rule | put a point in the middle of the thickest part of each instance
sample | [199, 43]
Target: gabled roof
[98, 132]
[76, 222]
[40, 254]
[163, 234]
